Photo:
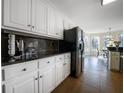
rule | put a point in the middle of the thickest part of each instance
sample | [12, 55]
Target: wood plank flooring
[94, 79]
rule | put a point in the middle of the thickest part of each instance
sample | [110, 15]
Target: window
[95, 42]
[121, 39]
[86, 42]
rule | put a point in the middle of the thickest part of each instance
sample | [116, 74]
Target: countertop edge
[25, 61]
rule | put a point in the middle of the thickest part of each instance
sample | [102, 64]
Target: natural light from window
[105, 2]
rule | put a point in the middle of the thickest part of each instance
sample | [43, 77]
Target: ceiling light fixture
[105, 2]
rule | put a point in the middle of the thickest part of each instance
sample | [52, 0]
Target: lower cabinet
[62, 67]
[66, 70]
[59, 73]
[48, 74]
[24, 84]
[47, 80]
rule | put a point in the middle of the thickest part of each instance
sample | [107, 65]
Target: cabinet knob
[41, 76]
[56, 33]
[24, 69]
[36, 78]
[32, 26]
[29, 25]
[64, 63]
[48, 62]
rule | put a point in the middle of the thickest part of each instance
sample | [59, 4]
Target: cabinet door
[66, 24]
[47, 80]
[17, 14]
[24, 84]
[59, 27]
[39, 16]
[52, 22]
[66, 68]
[59, 73]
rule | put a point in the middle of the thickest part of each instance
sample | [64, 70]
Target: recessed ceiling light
[105, 2]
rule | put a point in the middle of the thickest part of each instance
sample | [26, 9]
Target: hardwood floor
[94, 79]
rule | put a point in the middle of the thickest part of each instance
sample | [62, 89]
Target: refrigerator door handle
[80, 46]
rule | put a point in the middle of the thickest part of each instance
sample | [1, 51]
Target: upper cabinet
[55, 23]
[52, 22]
[68, 24]
[60, 25]
[39, 16]
[17, 14]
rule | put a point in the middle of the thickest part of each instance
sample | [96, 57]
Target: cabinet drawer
[60, 58]
[18, 69]
[46, 62]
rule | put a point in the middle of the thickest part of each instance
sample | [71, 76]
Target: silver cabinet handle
[48, 62]
[3, 89]
[29, 25]
[24, 69]
[32, 26]
[36, 78]
[64, 64]
[3, 74]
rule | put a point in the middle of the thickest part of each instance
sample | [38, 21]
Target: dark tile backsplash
[4, 47]
[33, 47]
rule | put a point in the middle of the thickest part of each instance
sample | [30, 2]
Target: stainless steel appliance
[74, 37]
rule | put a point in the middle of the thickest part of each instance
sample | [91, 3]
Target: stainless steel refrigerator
[74, 37]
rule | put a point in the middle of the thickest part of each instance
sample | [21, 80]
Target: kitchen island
[115, 61]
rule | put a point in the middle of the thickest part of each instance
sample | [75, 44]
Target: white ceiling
[91, 16]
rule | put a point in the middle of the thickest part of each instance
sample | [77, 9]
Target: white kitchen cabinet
[46, 75]
[59, 69]
[47, 80]
[68, 24]
[66, 65]
[35, 17]
[59, 73]
[39, 16]
[59, 25]
[55, 24]
[66, 69]
[23, 84]
[16, 13]
[37, 76]
[11, 71]
[52, 22]
[62, 67]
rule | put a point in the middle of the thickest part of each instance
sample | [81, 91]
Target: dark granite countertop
[38, 57]
[119, 49]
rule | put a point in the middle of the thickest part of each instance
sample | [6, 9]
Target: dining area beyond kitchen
[106, 46]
